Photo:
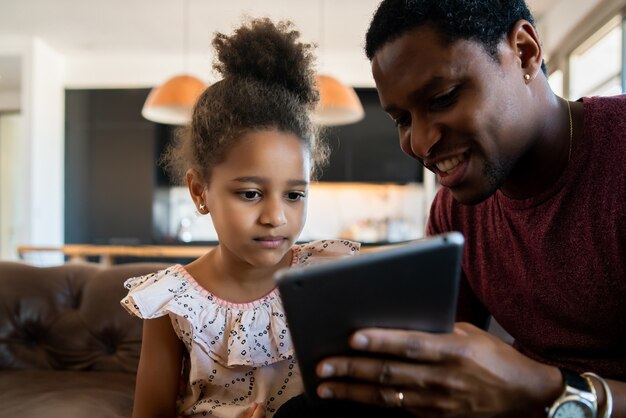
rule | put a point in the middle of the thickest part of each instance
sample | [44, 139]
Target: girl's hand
[256, 410]
[467, 373]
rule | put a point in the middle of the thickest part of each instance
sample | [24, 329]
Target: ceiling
[157, 26]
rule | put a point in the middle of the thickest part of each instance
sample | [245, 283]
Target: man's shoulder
[607, 105]
[605, 121]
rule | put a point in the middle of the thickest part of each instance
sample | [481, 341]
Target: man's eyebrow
[428, 88]
[420, 92]
[263, 180]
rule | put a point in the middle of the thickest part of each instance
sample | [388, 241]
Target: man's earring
[526, 77]
[202, 207]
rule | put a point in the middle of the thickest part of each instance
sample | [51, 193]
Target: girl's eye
[445, 100]
[249, 194]
[295, 196]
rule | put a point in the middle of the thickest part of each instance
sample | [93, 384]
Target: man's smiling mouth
[449, 164]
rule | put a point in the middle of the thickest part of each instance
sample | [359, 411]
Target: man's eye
[402, 121]
[295, 196]
[445, 100]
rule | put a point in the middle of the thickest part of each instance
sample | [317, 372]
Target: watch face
[573, 409]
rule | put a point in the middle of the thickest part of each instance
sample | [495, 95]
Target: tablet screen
[410, 286]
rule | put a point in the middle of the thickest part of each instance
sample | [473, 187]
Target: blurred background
[78, 161]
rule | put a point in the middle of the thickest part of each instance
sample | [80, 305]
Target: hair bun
[269, 53]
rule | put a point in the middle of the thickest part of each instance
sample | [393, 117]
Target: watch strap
[577, 389]
[575, 380]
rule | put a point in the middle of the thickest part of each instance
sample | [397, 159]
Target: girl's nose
[273, 213]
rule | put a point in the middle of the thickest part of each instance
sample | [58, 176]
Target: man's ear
[524, 41]
[197, 186]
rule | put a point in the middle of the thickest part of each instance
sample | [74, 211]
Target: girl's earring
[526, 77]
[202, 207]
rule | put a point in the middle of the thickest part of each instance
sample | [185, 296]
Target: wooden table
[108, 253]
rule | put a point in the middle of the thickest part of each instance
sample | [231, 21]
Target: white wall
[39, 150]
[44, 114]
[10, 101]
[114, 70]
[12, 213]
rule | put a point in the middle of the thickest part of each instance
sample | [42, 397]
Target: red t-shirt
[552, 269]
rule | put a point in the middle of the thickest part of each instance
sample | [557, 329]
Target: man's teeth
[450, 163]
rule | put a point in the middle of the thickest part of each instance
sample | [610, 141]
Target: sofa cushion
[68, 317]
[66, 394]
[67, 347]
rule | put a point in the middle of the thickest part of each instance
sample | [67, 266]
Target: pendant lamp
[172, 102]
[338, 105]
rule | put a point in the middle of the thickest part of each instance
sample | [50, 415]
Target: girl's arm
[158, 375]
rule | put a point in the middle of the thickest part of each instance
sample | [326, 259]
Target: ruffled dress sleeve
[149, 295]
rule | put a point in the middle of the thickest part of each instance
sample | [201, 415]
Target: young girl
[215, 340]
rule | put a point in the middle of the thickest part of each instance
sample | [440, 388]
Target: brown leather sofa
[67, 347]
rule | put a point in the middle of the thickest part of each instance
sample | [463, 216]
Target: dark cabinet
[113, 182]
[110, 167]
[369, 150]
[366, 151]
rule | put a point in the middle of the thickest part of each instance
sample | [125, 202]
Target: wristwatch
[578, 399]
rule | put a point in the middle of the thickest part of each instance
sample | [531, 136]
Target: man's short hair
[484, 21]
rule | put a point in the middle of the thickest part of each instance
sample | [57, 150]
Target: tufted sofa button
[110, 341]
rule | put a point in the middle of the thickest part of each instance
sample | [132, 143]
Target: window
[556, 82]
[595, 67]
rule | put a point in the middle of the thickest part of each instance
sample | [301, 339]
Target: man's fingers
[424, 402]
[384, 372]
[411, 345]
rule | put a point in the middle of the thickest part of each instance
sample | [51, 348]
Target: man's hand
[466, 373]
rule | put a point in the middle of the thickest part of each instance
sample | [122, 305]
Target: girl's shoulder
[319, 251]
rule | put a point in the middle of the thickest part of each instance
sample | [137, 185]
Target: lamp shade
[173, 101]
[338, 105]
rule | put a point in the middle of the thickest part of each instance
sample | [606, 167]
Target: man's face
[455, 109]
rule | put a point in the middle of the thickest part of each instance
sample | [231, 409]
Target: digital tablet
[410, 286]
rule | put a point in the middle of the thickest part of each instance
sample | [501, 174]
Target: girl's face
[257, 196]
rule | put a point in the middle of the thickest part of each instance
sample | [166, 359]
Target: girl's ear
[197, 187]
[524, 41]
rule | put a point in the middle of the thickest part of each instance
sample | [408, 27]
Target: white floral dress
[239, 353]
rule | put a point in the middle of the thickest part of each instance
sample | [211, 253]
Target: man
[537, 185]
